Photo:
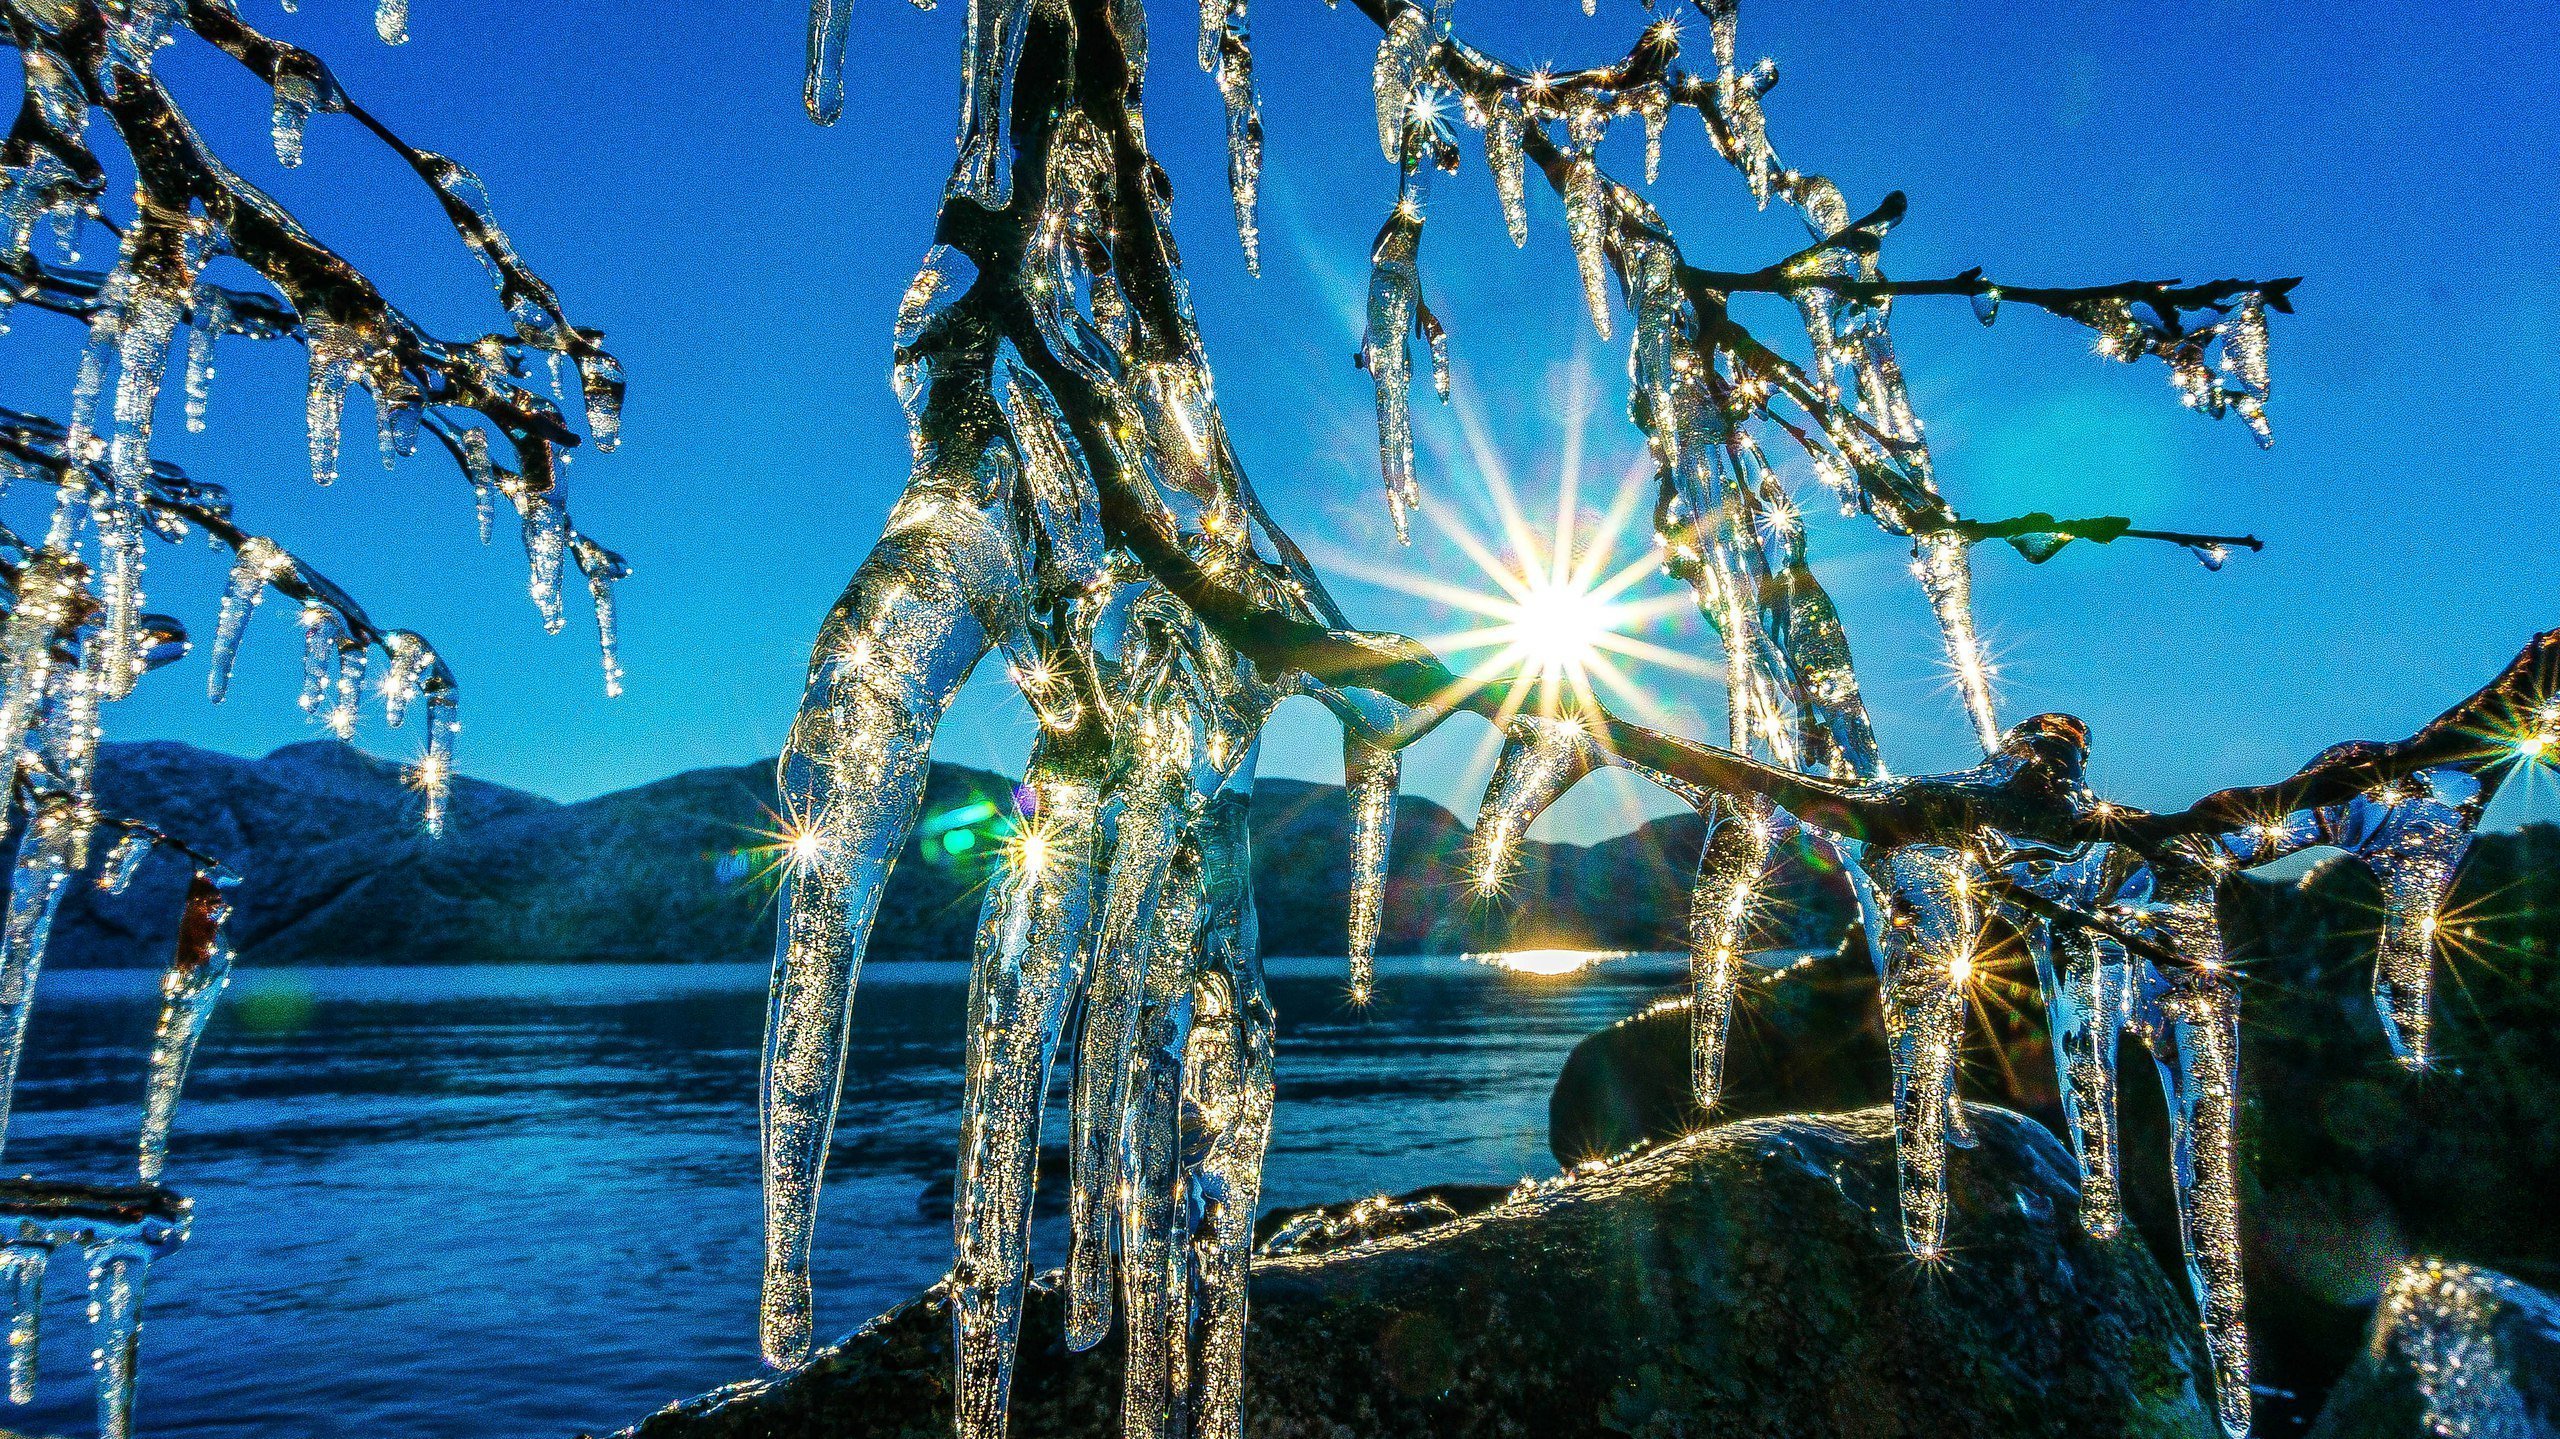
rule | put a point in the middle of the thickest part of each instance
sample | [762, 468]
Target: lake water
[523, 1201]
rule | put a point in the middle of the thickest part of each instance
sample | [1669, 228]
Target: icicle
[476, 467]
[124, 861]
[830, 26]
[1920, 925]
[1229, 1096]
[206, 318]
[353, 661]
[1213, 27]
[1371, 775]
[1655, 107]
[391, 21]
[323, 655]
[545, 525]
[1739, 840]
[395, 418]
[434, 778]
[1504, 130]
[1541, 759]
[1395, 294]
[56, 833]
[1401, 53]
[88, 385]
[601, 384]
[852, 774]
[1154, 1218]
[334, 355]
[600, 590]
[2413, 837]
[1946, 574]
[2196, 1039]
[117, 1269]
[256, 566]
[1244, 135]
[1586, 205]
[2087, 1005]
[22, 1275]
[410, 658]
[52, 597]
[1142, 852]
[1028, 966]
[985, 173]
[297, 95]
[2244, 348]
[196, 975]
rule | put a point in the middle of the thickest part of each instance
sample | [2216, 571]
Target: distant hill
[336, 870]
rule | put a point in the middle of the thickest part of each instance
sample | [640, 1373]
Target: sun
[1555, 611]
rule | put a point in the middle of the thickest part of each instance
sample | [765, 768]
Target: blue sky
[655, 164]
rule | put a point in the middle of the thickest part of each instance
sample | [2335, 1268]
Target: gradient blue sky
[655, 163]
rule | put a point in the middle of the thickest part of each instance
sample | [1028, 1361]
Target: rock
[2454, 1351]
[2352, 1164]
[1807, 1040]
[1745, 1281]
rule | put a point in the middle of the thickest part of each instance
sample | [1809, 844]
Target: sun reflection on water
[1547, 962]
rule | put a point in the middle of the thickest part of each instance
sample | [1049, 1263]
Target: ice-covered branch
[1074, 502]
[76, 634]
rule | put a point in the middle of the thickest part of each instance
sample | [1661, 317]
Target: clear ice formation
[1074, 505]
[77, 634]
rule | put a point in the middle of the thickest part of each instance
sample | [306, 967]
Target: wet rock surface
[1745, 1281]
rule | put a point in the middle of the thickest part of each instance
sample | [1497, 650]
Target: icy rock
[2454, 1350]
[1679, 1292]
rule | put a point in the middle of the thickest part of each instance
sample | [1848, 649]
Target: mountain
[335, 869]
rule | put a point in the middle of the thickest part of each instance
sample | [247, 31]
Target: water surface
[523, 1201]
